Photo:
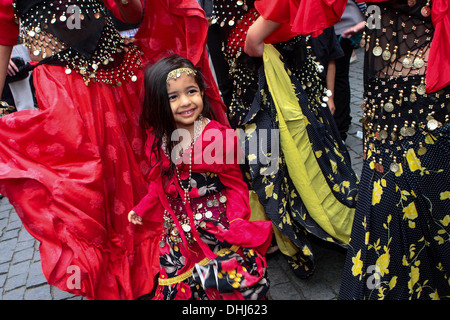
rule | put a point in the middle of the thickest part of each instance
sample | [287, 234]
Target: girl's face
[186, 100]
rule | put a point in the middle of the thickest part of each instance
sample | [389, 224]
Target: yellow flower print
[269, 190]
[377, 192]
[383, 262]
[336, 187]
[434, 295]
[306, 251]
[399, 172]
[381, 294]
[410, 212]
[414, 277]
[393, 282]
[429, 139]
[357, 265]
[439, 239]
[366, 240]
[413, 162]
[333, 166]
[405, 261]
[249, 129]
[446, 221]
[445, 195]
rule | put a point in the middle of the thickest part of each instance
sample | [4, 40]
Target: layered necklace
[198, 125]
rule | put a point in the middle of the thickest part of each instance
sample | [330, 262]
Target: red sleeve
[438, 74]
[151, 203]
[111, 5]
[150, 206]
[305, 17]
[9, 29]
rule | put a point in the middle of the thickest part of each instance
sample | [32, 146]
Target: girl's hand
[134, 218]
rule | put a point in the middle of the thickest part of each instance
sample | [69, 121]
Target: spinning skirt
[400, 241]
[73, 170]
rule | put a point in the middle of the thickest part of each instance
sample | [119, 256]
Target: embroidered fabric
[79, 35]
[396, 59]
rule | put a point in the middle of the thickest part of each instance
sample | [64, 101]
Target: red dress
[74, 168]
[212, 228]
[305, 17]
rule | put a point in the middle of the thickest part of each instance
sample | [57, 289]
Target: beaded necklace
[198, 124]
[94, 49]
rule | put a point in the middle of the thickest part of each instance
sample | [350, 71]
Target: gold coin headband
[175, 74]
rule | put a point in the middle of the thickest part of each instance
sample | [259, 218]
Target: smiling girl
[208, 249]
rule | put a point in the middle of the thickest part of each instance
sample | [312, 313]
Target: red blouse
[305, 17]
[220, 142]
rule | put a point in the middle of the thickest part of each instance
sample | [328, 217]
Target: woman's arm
[331, 75]
[5, 54]
[259, 30]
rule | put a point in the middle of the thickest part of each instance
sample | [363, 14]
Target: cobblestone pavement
[20, 268]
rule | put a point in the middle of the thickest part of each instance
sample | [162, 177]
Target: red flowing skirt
[73, 170]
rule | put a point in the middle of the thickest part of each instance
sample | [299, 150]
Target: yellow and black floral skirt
[306, 184]
[400, 241]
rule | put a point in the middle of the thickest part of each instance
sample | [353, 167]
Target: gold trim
[175, 74]
[187, 274]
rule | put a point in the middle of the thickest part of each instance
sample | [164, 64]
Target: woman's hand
[12, 68]
[356, 29]
[134, 218]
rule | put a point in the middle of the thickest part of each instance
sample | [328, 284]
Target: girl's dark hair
[156, 112]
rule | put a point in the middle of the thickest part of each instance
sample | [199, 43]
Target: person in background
[279, 195]
[327, 50]
[400, 245]
[349, 40]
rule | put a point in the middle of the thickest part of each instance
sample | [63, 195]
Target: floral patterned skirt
[187, 274]
[310, 136]
[400, 241]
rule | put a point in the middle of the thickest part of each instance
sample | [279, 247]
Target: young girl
[208, 248]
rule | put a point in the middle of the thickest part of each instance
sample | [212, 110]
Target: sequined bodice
[399, 41]
[396, 104]
[80, 36]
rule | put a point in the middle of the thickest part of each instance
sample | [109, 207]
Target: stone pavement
[20, 268]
